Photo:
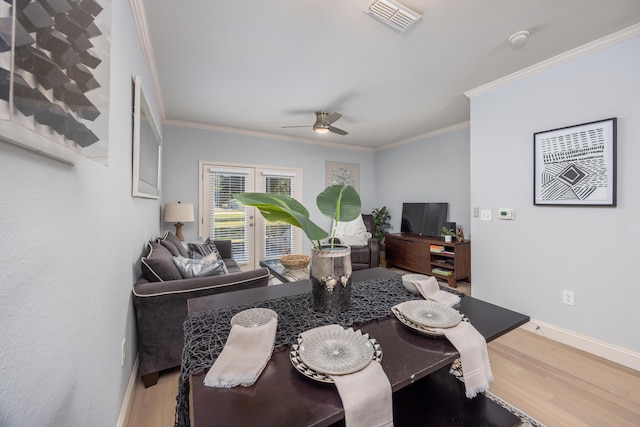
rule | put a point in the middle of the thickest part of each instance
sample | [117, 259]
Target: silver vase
[330, 276]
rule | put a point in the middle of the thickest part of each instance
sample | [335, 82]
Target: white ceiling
[258, 65]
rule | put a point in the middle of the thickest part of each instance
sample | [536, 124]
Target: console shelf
[429, 255]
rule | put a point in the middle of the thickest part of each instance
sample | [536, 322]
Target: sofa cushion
[158, 265]
[190, 268]
[170, 239]
[170, 247]
[204, 249]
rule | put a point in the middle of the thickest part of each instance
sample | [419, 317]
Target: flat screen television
[426, 219]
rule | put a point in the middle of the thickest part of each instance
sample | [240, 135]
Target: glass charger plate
[336, 351]
[418, 328]
[253, 317]
[296, 361]
[430, 313]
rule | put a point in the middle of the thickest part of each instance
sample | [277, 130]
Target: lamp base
[179, 234]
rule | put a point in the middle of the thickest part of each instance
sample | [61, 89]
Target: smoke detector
[518, 39]
[393, 14]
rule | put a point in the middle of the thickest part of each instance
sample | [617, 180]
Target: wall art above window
[54, 77]
[576, 165]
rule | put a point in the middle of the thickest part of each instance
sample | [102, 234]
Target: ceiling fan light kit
[393, 14]
[323, 123]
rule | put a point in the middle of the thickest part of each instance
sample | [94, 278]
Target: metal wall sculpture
[54, 76]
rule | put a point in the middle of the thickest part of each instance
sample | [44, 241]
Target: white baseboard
[619, 355]
[127, 402]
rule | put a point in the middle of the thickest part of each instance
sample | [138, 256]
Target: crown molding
[140, 20]
[427, 135]
[579, 52]
[194, 125]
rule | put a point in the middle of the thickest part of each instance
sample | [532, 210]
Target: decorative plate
[418, 328]
[253, 317]
[430, 313]
[296, 361]
[336, 351]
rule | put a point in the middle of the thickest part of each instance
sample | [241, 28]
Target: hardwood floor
[552, 382]
[562, 386]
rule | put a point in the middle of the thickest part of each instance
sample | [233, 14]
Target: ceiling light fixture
[519, 39]
[321, 130]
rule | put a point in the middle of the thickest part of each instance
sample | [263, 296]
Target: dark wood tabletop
[284, 397]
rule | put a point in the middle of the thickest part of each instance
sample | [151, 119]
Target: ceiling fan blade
[284, 127]
[338, 131]
[333, 117]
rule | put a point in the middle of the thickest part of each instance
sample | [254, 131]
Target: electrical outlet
[568, 297]
[124, 351]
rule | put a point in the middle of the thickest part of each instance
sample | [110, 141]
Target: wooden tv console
[422, 254]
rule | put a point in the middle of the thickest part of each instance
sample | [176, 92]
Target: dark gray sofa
[161, 306]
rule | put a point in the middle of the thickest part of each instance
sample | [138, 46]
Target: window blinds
[279, 238]
[228, 217]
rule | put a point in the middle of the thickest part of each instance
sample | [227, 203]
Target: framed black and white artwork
[576, 165]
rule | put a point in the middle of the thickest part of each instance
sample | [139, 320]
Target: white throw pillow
[353, 233]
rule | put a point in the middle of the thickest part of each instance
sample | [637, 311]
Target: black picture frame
[576, 165]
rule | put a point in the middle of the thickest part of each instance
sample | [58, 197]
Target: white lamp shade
[178, 212]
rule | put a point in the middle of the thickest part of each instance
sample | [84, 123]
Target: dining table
[418, 366]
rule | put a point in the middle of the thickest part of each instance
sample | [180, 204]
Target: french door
[222, 217]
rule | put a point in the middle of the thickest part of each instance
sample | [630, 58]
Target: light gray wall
[69, 250]
[594, 251]
[434, 169]
[185, 146]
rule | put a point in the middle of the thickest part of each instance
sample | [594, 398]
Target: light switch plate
[485, 215]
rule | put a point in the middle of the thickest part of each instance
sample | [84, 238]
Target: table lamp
[178, 213]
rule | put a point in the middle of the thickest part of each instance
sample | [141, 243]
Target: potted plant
[330, 272]
[381, 223]
[448, 234]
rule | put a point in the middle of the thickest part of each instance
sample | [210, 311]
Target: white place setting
[436, 319]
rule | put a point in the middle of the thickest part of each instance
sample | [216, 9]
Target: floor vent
[392, 13]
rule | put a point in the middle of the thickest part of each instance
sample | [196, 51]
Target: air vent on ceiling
[392, 13]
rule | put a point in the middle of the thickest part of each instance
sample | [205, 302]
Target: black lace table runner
[206, 332]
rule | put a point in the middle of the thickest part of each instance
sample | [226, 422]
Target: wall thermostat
[504, 213]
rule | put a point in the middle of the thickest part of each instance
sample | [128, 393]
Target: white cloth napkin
[244, 356]
[366, 397]
[366, 394]
[430, 289]
[472, 346]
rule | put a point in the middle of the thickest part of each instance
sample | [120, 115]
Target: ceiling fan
[323, 123]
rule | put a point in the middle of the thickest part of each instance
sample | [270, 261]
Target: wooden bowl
[295, 262]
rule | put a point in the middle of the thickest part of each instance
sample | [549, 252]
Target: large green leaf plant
[338, 202]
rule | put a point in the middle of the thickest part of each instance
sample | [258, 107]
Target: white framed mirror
[147, 144]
